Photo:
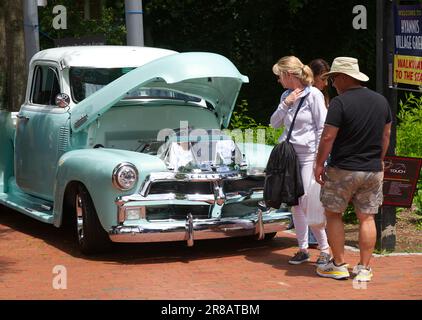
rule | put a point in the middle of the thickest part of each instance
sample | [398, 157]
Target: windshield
[86, 81]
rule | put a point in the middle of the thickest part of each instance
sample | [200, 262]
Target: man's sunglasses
[332, 78]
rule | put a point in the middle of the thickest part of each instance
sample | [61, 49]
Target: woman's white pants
[298, 213]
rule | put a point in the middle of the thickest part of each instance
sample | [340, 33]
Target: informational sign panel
[401, 176]
[408, 45]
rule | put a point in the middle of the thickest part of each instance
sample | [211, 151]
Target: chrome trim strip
[121, 214]
[195, 229]
[209, 198]
[218, 197]
[189, 230]
[260, 226]
[191, 177]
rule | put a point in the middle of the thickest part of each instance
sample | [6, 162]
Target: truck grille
[177, 212]
[240, 209]
[181, 187]
[247, 184]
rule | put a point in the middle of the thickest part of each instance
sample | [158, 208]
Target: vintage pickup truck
[126, 144]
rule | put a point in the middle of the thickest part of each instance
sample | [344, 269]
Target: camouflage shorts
[362, 188]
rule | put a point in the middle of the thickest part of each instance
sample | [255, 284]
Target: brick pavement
[219, 269]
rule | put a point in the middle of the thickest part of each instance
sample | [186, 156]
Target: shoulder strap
[294, 118]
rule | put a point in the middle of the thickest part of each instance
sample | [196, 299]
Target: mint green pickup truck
[127, 144]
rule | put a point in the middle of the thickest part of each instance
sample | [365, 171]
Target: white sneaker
[330, 270]
[362, 273]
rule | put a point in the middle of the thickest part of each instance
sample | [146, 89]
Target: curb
[376, 255]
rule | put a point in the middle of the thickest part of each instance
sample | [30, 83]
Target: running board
[39, 209]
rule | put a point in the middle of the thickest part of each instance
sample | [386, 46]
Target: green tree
[13, 71]
[106, 18]
[254, 34]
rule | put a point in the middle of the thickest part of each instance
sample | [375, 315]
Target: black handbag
[283, 181]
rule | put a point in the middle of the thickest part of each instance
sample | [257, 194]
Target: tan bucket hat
[347, 66]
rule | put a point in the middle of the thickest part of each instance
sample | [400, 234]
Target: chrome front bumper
[195, 229]
[258, 222]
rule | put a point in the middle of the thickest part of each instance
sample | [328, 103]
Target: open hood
[206, 75]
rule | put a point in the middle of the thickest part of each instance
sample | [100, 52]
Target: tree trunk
[3, 55]
[13, 69]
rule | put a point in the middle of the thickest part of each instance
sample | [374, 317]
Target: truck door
[40, 131]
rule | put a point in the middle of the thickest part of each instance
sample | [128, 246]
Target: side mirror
[62, 100]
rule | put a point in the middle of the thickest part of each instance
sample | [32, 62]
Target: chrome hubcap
[79, 218]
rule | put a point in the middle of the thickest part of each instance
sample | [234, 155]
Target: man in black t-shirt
[355, 138]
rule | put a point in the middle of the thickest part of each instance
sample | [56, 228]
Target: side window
[45, 85]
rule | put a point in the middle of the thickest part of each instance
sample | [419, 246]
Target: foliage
[419, 224]
[409, 130]
[271, 134]
[417, 200]
[382, 251]
[349, 215]
[108, 20]
[230, 28]
[241, 120]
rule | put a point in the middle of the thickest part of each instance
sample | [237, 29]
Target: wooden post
[386, 217]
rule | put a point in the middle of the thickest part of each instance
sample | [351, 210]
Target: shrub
[409, 131]
[409, 128]
[350, 215]
[241, 120]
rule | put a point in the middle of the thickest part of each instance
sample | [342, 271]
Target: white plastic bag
[314, 210]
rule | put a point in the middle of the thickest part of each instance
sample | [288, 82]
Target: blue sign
[408, 30]
[408, 45]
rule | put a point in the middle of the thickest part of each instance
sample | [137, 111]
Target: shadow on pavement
[265, 251]
[279, 261]
[6, 265]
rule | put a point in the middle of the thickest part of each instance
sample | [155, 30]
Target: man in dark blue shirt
[355, 138]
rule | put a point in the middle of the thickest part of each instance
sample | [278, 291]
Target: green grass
[382, 251]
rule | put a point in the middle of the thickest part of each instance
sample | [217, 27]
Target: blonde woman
[297, 78]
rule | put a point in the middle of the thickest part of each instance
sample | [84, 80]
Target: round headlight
[125, 176]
